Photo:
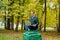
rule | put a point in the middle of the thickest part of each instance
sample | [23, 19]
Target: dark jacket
[34, 20]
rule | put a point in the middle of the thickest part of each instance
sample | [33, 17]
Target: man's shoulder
[35, 17]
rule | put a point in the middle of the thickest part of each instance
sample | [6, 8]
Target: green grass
[12, 35]
[1, 29]
[9, 37]
[5, 37]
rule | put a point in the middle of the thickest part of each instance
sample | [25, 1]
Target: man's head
[32, 13]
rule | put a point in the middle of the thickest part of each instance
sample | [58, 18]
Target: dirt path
[51, 36]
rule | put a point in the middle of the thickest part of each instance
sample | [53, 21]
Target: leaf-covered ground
[12, 35]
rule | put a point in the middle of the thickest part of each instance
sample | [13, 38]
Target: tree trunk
[45, 17]
[22, 16]
[12, 22]
[59, 19]
[59, 16]
[8, 23]
[16, 29]
[22, 24]
[5, 22]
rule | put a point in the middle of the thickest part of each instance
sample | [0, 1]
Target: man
[34, 21]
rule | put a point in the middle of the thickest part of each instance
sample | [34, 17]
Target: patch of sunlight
[19, 26]
[50, 29]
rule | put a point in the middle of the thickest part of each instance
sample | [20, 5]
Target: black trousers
[33, 27]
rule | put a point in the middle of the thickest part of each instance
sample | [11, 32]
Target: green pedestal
[32, 35]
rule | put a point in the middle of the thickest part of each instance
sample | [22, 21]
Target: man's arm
[37, 21]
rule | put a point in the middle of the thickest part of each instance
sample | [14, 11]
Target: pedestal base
[32, 35]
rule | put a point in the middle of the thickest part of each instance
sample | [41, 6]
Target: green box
[32, 35]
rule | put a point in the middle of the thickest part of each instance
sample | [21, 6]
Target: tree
[22, 15]
[22, 22]
[12, 22]
[12, 16]
[8, 23]
[45, 17]
[5, 21]
[16, 29]
[59, 17]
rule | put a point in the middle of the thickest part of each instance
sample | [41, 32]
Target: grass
[12, 35]
[9, 37]
[5, 37]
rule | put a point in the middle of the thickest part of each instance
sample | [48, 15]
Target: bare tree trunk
[45, 17]
[8, 23]
[17, 25]
[16, 29]
[12, 22]
[59, 16]
[5, 21]
[22, 23]
[59, 19]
